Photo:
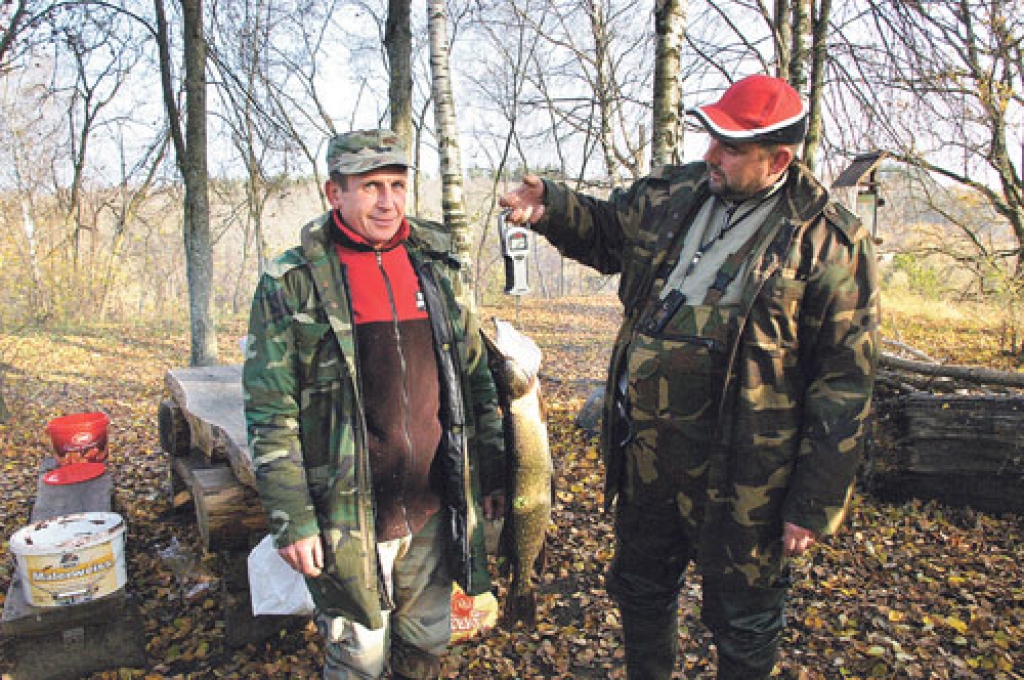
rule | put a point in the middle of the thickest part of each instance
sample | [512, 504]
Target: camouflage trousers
[662, 507]
[415, 633]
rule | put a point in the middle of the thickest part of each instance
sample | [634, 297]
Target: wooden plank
[964, 434]
[53, 501]
[57, 500]
[210, 398]
[106, 634]
[228, 513]
[963, 450]
[22, 618]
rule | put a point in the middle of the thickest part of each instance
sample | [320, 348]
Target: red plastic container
[79, 437]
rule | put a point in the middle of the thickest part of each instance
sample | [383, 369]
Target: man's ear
[781, 158]
[332, 190]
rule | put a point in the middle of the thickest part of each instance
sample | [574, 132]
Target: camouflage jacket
[801, 362]
[307, 435]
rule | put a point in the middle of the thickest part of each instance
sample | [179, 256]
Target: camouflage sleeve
[590, 230]
[271, 387]
[488, 443]
[839, 349]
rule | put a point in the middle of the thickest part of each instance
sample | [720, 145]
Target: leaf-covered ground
[906, 591]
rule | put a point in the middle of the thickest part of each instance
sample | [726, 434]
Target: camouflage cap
[359, 151]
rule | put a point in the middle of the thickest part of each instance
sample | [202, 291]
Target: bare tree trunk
[398, 44]
[603, 93]
[40, 297]
[452, 200]
[819, 57]
[18, 16]
[801, 16]
[782, 35]
[190, 151]
[670, 26]
[198, 244]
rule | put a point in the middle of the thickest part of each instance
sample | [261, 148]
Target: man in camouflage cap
[373, 420]
[741, 380]
[354, 153]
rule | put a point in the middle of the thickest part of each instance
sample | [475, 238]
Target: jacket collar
[343, 235]
[803, 196]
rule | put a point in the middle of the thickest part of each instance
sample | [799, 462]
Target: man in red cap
[741, 379]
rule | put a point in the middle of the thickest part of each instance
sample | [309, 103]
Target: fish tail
[519, 608]
[540, 564]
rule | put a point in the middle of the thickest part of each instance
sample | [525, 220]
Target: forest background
[141, 193]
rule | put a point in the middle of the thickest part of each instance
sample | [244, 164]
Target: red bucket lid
[74, 473]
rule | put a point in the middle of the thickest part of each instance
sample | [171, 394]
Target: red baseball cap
[757, 108]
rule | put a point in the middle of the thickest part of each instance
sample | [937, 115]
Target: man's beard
[719, 186]
[721, 189]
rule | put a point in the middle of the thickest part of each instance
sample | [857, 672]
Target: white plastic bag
[274, 587]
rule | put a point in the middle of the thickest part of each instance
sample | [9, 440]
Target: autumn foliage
[915, 590]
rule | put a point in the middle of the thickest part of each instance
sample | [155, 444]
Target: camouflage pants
[653, 551]
[415, 633]
[661, 512]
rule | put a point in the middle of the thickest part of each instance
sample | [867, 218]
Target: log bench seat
[202, 431]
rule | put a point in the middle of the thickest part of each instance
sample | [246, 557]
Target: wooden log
[996, 495]
[175, 437]
[959, 449]
[973, 374]
[964, 434]
[228, 513]
[183, 476]
[210, 398]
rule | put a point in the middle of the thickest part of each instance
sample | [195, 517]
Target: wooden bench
[54, 643]
[202, 430]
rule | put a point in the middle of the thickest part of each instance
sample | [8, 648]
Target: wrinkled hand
[305, 556]
[795, 540]
[494, 505]
[526, 202]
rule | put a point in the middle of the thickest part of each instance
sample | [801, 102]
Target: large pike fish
[514, 361]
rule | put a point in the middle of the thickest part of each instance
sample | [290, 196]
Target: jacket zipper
[405, 384]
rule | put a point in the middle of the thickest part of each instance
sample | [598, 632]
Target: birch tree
[670, 26]
[945, 95]
[452, 199]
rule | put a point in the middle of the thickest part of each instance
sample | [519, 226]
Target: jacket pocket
[311, 344]
[643, 388]
[776, 329]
